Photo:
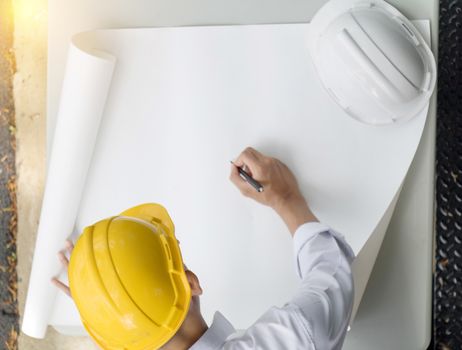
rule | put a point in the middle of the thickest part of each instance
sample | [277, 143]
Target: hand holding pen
[270, 182]
[249, 179]
[262, 178]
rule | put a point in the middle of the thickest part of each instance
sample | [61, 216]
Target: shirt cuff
[302, 235]
[305, 232]
[310, 229]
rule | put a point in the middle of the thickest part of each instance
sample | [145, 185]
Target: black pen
[243, 174]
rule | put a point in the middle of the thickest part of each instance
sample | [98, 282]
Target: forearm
[294, 211]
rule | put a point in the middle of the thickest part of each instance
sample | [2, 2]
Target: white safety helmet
[372, 60]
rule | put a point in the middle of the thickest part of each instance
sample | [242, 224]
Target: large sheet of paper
[155, 115]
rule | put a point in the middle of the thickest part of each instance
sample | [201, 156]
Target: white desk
[396, 310]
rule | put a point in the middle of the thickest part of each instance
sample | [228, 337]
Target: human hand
[65, 261]
[281, 191]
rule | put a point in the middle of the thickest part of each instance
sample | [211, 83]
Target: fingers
[251, 161]
[250, 158]
[238, 181]
[62, 254]
[69, 247]
[64, 260]
[61, 286]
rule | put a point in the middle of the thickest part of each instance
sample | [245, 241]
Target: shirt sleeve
[323, 263]
[317, 317]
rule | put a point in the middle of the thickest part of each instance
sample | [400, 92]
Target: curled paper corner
[86, 85]
[85, 42]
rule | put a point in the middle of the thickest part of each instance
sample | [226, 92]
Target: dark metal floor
[8, 278]
[448, 269]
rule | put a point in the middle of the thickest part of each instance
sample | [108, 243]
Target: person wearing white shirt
[317, 316]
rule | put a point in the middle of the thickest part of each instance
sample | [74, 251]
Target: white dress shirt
[316, 318]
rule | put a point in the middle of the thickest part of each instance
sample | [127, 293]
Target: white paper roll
[85, 88]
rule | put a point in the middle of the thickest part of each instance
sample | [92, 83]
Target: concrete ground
[30, 48]
[8, 217]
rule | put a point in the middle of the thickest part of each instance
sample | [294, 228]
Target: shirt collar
[216, 335]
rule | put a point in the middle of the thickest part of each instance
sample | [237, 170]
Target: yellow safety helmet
[127, 279]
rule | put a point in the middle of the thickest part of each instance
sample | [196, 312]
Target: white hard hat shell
[372, 60]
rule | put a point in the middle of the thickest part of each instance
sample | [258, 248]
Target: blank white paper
[155, 115]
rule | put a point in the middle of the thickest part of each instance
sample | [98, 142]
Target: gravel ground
[8, 218]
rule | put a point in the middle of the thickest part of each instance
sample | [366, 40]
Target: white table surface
[396, 309]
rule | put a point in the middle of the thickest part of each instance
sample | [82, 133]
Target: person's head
[129, 283]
